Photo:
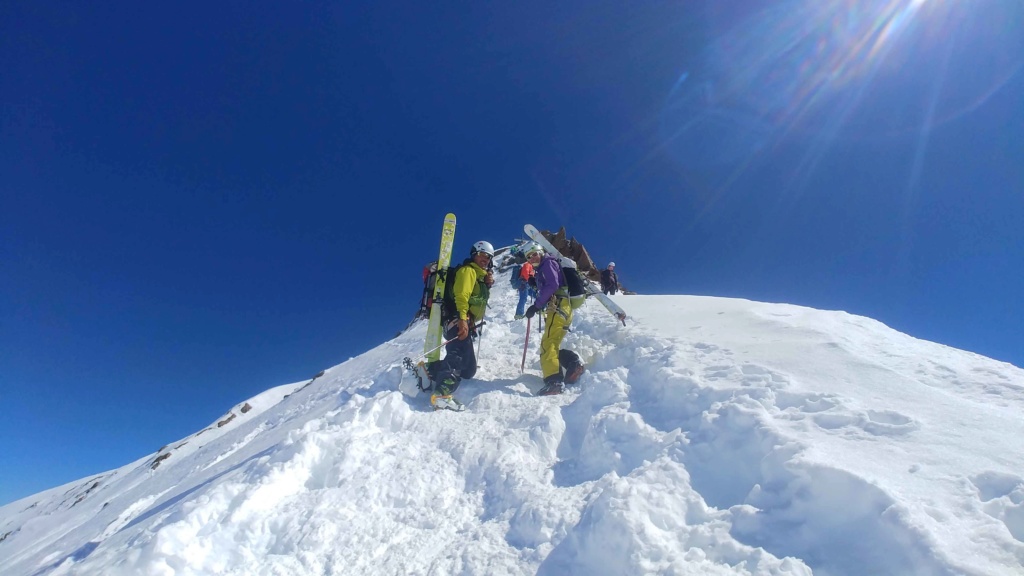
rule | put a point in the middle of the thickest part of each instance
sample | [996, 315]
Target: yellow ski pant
[558, 316]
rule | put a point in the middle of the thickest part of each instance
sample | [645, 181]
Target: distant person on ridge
[465, 300]
[516, 256]
[521, 276]
[609, 280]
[553, 296]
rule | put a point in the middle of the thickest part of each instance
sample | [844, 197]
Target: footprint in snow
[874, 422]
[1002, 496]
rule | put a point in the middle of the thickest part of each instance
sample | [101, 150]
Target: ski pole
[480, 335]
[522, 366]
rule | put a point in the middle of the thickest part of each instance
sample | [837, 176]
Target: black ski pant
[459, 361]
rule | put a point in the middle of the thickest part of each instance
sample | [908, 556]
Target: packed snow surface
[708, 436]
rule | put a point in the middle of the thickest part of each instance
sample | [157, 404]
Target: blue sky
[199, 202]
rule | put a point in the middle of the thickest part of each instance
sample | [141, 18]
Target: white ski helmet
[611, 264]
[482, 246]
[532, 248]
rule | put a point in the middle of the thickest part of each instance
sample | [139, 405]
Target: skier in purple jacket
[553, 297]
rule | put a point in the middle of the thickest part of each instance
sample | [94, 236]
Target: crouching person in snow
[467, 290]
[553, 298]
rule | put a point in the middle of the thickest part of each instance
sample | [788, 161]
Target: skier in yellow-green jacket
[464, 305]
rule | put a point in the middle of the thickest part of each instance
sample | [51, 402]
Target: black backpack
[448, 310]
[574, 282]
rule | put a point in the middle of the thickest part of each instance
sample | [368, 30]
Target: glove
[531, 311]
[489, 279]
[532, 281]
[463, 330]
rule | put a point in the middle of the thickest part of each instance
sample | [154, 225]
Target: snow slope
[709, 436]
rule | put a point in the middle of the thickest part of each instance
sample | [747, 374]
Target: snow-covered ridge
[63, 498]
[710, 436]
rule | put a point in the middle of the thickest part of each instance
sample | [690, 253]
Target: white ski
[592, 290]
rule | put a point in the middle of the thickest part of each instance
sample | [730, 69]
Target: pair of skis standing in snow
[460, 299]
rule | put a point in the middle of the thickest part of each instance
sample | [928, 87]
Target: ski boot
[442, 398]
[552, 385]
[573, 373]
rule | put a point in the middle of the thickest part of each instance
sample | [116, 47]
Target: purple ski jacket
[549, 279]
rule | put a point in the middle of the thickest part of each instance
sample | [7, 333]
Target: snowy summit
[708, 436]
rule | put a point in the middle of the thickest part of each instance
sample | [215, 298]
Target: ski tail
[432, 345]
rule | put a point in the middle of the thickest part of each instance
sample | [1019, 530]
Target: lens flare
[812, 71]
